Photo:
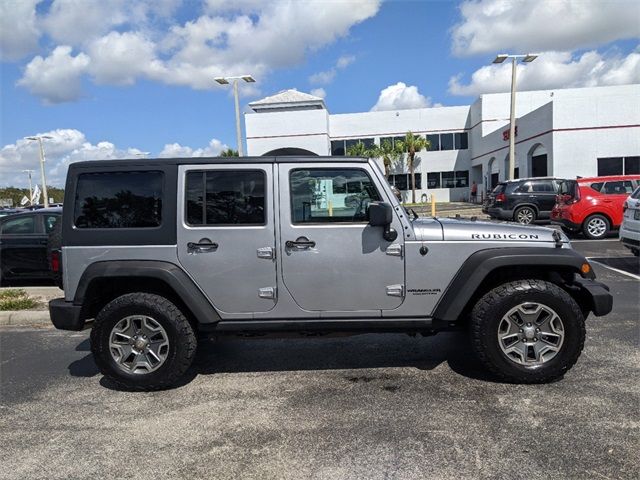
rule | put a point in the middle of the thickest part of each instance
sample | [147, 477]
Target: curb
[25, 318]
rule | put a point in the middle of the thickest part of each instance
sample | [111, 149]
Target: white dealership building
[563, 133]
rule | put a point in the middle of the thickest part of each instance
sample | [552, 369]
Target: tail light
[55, 261]
[501, 197]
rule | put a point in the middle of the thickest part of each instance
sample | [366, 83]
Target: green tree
[361, 150]
[411, 144]
[390, 153]
[229, 152]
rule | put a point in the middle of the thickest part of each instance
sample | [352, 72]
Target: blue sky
[111, 78]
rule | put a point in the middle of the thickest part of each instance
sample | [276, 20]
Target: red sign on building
[505, 134]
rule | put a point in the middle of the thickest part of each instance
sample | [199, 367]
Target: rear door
[226, 234]
[331, 259]
[22, 246]
[544, 192]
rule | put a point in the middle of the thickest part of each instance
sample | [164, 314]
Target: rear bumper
[65, 315]
[566, 223]
[601, 299]
[500, 213]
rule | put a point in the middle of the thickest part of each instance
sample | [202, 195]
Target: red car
[593, 205]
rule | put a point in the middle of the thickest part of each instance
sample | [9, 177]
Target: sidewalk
[36, 317]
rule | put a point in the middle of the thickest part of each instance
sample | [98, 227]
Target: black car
[23, 244]
[524, 200]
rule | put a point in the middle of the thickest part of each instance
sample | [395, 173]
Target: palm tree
[390, 153]
[360, 150]
[410, 145]
[229, 152]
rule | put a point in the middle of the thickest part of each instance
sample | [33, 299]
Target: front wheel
[527, 331]
[142, 341]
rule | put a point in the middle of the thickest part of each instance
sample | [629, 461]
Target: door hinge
[395, 250]
[267, 292]
[395, 290]
[266, 252]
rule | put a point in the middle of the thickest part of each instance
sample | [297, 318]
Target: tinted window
[418, 177]
[631, 165]
[448, 180]
[543, 187]
[618, 188]
[399, 181]
[462, 178]
[313, 199]
[119, 200]
[229, 197]
[597, 186]
[499, 188]
[433, 180]
[610, 166]
[434, 141]
[446, 141]
[49, 222]
[23, 225]
[524, 188]
[462, 141]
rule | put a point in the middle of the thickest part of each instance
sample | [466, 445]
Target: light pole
[29, 172]
[235, 79]
[39, 138]
[528, 58]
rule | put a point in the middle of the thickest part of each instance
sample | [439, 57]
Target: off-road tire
[518, 211]
[182, 341]
[489, 310]
[593, 218]
[54, 243]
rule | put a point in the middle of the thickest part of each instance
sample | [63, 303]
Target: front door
[331, 259]
[226, 234]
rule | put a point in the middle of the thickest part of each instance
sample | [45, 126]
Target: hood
[471, 230]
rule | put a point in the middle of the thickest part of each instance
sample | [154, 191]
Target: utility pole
[235, 79]
[29, 172]
[528, 58]
[39, 138]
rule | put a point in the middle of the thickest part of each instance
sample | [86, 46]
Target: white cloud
[175, 150]
[319, 92]
[56, 78]
[494, 26]
[327, 76]
[553, 70]
[229, 38]
[18, 31]
[399, 97]
[71, 145]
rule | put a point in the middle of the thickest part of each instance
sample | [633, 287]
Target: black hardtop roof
[146, 162]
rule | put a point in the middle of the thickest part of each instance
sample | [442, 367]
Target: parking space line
[599, 241]
[632, 275]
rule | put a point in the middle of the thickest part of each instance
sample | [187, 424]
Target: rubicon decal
[504, 236]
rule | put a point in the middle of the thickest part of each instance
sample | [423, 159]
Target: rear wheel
[527, 331]
[596, 227]
[525, 215]
[142, 341]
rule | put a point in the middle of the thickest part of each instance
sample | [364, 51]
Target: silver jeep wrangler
[157, 251]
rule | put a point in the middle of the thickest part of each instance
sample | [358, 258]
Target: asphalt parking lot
[369, 406]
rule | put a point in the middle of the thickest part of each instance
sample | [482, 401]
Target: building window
[446, 141]
[225, 197]
[433, 180]
[462, 178]
[434, 142]
[402, 181]
[462, 141]
[632, 165]
[619, 166]
[448, 179]
[337, 148]
[315, 197]
[119, 200]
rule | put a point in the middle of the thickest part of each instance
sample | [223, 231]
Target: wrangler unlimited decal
[504, 236]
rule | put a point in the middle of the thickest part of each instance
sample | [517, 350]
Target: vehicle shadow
[358, 352]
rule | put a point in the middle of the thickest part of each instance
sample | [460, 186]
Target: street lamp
[29, 172]
[225, 81]
[528, 58]
[39, 138]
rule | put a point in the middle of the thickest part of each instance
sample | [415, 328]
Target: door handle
[300, 243]
[204, 245]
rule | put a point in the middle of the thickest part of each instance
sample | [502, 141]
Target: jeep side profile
[158, 251]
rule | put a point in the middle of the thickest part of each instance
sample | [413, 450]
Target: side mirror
[380, 214]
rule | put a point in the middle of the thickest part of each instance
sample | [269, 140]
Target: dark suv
[524, 201]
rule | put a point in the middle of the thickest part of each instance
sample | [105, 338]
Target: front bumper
[598, 294]
[65, 315]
